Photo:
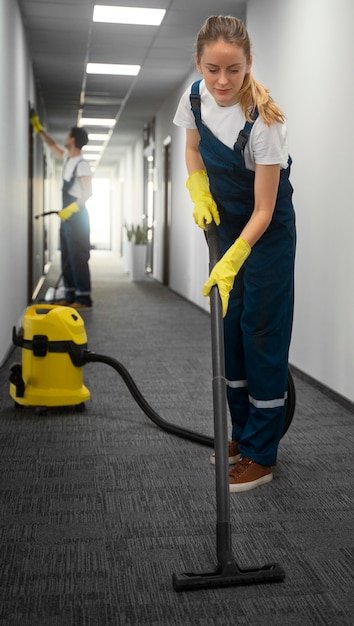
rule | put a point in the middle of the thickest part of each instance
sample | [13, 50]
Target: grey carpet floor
[100, 508]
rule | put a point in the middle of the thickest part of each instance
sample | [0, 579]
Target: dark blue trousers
[75, 253]
[257, 338]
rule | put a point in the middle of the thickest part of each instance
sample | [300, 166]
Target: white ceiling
[62, 38]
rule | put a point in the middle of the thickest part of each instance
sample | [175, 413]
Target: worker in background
[75, 224]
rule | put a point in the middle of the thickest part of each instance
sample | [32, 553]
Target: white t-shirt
[267, 145]
[83, 169]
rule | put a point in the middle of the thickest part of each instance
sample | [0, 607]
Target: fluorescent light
[98, 137]
[97, 121]
[92, 148]
[91, 157]
[113, 68]
[128, 15]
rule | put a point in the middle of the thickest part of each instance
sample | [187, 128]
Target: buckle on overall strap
[242, 139]
[244, 134]
[195, 101]
[194, 97]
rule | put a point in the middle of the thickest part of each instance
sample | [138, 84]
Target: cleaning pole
[227, 572]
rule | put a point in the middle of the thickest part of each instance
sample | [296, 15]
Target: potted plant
[137, 238]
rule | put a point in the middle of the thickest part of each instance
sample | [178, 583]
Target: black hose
[36, 217]
[185, 433]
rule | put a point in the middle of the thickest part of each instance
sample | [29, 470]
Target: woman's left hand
[224, 272]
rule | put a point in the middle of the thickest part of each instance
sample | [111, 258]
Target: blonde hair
[252, 94]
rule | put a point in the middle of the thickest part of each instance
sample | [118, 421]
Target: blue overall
[258, 324]
[75, 249]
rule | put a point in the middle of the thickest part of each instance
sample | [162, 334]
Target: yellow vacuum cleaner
[53, 339]
[54, 351]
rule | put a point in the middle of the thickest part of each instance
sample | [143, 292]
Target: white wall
[305, 56]
[188, 253]
[15, 90]
[130, 177]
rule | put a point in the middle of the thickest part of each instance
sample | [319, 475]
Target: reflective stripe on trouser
[75, 253]
[257, 336]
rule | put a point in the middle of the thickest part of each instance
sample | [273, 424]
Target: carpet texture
[100, 508]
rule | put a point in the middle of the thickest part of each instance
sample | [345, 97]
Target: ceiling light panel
[128, 15]
[96, 121]
[92, 148]
[113, 69]
[91, 157]
[98, 136]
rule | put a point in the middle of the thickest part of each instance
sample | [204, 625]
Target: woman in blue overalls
[238, 165]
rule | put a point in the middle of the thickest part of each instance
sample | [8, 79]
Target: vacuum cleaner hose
[184, 433]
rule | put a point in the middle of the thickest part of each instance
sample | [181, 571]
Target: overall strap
[194, 98]
[244, 134]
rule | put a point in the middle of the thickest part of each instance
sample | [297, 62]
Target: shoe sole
[240, 487]
[232, 459]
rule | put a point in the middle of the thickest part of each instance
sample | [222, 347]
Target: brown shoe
[247, 474]
[61, 303]
[233, 453]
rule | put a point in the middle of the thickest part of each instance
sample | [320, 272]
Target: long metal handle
[220, 405]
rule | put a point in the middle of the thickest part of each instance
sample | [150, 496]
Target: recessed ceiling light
[98, 137]
[91, 157]
[113, 68]
[128, 15]
[97, 121]
[92, 148]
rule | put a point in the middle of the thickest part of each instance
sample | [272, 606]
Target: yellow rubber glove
[37, 126]
[67, 212]
[205, 209]
[224, 272]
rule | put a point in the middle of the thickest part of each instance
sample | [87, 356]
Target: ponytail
[254, 95]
